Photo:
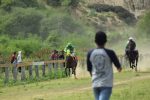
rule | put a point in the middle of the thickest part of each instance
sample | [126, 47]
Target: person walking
[99, 65]
[19, 60]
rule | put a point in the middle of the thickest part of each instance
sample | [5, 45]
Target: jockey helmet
[130, 38]
[69, 44]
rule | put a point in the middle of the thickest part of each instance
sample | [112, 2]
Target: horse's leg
[137, 58]
[131, 64]
[68, 71]
[75, 66]
[136, 61]
[75, 73]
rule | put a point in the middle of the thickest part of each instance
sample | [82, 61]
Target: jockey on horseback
[131, 53]
[131, 45]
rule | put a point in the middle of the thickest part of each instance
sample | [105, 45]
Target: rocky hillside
[105, 16]
[129, 4]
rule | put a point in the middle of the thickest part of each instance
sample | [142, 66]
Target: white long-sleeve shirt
[19, 58]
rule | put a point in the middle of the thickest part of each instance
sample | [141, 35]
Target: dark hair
[100, 38]
[15, 52]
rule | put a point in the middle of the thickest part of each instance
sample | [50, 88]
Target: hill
[56, 22]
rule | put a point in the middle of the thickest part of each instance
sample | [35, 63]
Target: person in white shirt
[19, 60]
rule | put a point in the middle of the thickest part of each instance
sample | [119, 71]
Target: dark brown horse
[71, 63]
[133, 56]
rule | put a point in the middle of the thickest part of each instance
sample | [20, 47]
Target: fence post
[37, 71]
[15, 72]
[50, 69]
[43, 70]
[23, 73]
[6, 74]
[56, 70]
[30, 72]
[62, 68]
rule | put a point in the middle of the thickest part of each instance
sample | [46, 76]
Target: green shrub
[6, 4]
[74, 3]
[53, 39]
[27, 45]
[63, 24]
[21, 21]
[25, 3]
[54, 2]
[143, 25]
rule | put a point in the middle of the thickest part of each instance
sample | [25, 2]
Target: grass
[134, 90]
[71, 89]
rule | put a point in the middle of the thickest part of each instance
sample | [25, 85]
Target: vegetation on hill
[36, 24]
[143, 25]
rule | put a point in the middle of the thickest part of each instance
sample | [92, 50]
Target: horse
[133, 56]
[71, 63]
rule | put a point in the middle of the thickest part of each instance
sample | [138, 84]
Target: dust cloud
[144, 62]
[143, 66]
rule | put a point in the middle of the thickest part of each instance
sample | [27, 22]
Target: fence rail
[39, 68]
[54, 66]
[32, 63]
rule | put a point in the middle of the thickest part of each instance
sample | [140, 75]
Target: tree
[143, 24]
[26, 3]
[6, 4]
[74, 3]
[53, 39]
[54, 2]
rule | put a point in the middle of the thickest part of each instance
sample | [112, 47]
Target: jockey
[69, 49]
[131, 45]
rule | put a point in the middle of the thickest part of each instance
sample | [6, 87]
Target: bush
[21, 21]
[25, 3]
[74, 3]
[143, 25]
[27, 45]
[54, 2]
[6, 4]
[54, 40]
[63, 24]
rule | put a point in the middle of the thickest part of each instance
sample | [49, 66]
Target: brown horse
[71, 63]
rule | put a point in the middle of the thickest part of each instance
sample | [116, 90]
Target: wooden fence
[53, 66]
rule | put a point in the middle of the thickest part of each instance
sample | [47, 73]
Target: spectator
[99, 65]
[19, 60]
[13, 58]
